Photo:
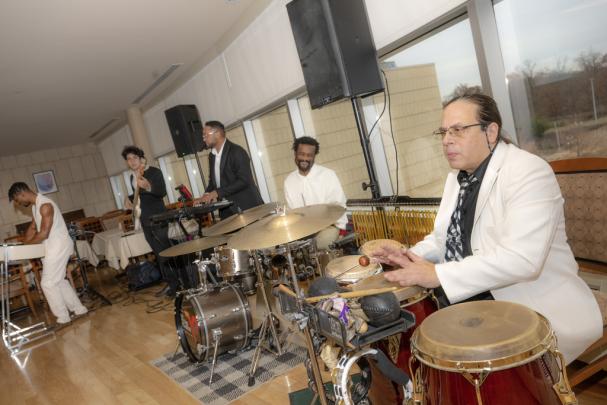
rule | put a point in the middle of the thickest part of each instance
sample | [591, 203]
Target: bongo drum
[488, 352]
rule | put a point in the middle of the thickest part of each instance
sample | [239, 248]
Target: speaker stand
[364, 142]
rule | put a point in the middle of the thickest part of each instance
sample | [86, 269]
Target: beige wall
[416, 113]
[80, 174]
[334, 127]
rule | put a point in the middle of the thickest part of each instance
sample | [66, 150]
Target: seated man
[500, 230]
[314, 184]
[48, 228]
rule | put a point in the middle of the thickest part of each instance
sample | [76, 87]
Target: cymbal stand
[304, 326]
[266, 325]
[14, 336]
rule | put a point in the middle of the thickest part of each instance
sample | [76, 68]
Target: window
[119, 190]
[555, 57]
[274, 138]
[174, 170]
[420, 78]
[334, 127]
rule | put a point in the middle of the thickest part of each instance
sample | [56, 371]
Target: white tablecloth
[118, 247]
[86, 252]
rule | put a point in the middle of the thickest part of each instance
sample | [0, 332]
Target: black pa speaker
[186, 129]
[335, 48]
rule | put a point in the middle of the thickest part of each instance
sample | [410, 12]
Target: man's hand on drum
[413, 270]
[390, 255]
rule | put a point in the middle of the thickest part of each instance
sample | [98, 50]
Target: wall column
[139, 131]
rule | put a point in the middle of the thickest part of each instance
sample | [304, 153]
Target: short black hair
[17, 188]
[132, 150]
[216, 125]
[306, 140]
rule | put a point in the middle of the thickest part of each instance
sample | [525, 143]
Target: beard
[304, 165]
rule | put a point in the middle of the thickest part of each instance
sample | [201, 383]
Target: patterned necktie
[454, 244]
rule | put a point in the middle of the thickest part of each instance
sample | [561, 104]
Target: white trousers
[59, 293]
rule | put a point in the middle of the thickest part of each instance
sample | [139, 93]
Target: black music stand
[86, 290]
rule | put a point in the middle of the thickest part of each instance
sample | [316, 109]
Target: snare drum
[233, 262]
[200, 315]
[488, 352]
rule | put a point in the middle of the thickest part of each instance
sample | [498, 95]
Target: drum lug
[211, 316]
[238, 337]
[236, 309]
[562, 388]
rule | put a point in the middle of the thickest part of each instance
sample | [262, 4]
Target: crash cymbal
[286, 227]
[237, 221]
[194, 246]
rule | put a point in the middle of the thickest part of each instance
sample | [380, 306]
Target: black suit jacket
[236, 179]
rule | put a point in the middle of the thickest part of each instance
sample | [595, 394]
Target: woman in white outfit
[48, 227]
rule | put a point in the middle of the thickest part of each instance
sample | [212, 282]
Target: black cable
[391, 130]
[380, 115]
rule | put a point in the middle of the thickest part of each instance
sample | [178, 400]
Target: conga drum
[397, 348]
[488, 352]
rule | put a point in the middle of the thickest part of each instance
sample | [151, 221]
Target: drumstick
[350, 294]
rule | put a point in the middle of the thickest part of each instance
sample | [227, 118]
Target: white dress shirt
[320, 186]
[218, 165]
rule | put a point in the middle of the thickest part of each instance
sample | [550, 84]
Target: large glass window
[274, 138]
[555, 57]
[334, 127]
[420, 78]
[175, 173]
[119, 189]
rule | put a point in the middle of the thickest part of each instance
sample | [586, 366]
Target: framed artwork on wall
[45, 182]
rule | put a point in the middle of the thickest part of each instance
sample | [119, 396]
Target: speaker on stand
[338, 59]
[186, 131]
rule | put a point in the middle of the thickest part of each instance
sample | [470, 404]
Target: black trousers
[158, 239]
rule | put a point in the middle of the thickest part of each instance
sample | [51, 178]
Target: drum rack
[15, 338]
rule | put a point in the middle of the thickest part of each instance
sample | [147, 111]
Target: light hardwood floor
[104, 359]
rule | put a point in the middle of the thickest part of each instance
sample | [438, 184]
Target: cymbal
[286, 227]
[237, 221]
[193, 246]
[372, 245]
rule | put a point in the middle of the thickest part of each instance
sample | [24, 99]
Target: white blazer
[519, 248]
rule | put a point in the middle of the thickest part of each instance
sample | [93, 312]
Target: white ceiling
[67, 67]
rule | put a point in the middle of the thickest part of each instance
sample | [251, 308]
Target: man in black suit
[152, 190]
[230, 172]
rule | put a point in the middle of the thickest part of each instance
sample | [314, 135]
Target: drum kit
[250, 249]
[471, 353]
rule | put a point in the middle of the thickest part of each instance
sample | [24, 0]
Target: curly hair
[306, 140]
[132, 150]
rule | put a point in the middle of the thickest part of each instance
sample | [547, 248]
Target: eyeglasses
[456, 131]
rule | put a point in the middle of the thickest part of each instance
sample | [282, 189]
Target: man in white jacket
[500, 230]
[314, 184]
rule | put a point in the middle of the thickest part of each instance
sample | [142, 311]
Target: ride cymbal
[237, 221]
[286, 227]
[193, 246]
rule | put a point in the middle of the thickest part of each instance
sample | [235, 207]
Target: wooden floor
[104, 359]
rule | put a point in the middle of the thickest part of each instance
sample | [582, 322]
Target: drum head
[371, 246]
[356, 272]
[491, 332]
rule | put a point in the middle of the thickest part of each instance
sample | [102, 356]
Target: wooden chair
[90, 224]
[110, 220]
[583, 183]
[19, 287]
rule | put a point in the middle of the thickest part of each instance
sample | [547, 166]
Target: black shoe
[163, 292]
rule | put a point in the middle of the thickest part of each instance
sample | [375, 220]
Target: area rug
[230, 380]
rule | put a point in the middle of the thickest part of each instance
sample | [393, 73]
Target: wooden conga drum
[488, 352]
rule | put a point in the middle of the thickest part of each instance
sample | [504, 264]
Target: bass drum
[200, 315]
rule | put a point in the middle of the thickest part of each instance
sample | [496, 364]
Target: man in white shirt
[314, 184]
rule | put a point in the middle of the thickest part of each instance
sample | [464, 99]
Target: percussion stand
[304, 326]
[13, 336]
[266, 326]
